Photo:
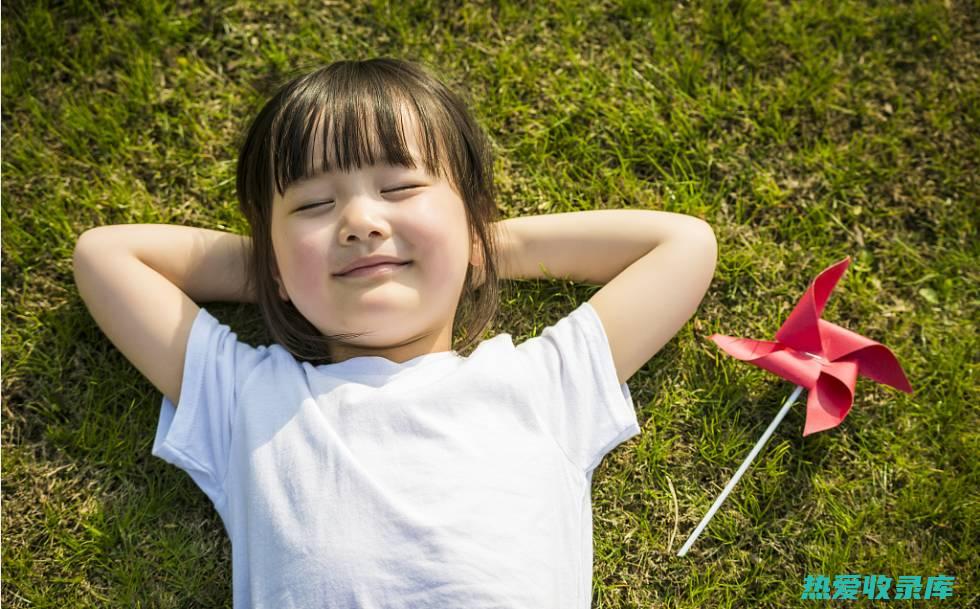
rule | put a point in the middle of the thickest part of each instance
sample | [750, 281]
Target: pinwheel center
[815, 356]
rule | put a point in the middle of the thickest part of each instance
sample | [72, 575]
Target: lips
[367, 269]
[371, 261]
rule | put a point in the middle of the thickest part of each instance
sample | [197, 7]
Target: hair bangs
[367, 128]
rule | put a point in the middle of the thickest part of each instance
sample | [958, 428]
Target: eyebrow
[303, 181]
[382, 164]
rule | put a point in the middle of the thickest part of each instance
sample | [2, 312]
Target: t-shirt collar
[377, 366]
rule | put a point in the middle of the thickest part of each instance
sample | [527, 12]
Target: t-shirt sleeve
[196, 436]
[581, 403]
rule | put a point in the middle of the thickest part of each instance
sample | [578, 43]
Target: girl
[360, 460]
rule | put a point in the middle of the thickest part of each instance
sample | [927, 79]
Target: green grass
[801, 133]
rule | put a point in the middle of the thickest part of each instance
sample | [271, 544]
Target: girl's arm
[655, 268]
[207, 265]
[585, 246]
[141, 283]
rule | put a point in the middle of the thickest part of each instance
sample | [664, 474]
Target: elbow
[88, 238]
[705, 247]
[81, 246]
[707, 244]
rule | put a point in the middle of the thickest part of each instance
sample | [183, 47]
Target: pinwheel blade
[800, 330]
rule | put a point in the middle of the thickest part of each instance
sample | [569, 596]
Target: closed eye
[402, 188]
[319, 203]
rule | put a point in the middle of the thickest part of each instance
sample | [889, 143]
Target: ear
[476, 254]
[477, 260]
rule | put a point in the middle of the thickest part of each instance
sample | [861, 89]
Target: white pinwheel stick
[741, 470]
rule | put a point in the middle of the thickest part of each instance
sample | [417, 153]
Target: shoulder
[222, 350]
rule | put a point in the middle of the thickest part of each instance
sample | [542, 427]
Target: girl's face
[404, 313]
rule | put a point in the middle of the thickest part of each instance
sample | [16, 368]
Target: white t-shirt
[442, 481]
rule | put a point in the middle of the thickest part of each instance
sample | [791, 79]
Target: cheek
[308, 260]
[436, 246]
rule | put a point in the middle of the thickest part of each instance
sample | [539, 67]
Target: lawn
[802, 132]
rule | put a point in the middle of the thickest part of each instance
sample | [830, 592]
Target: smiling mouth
[376, 270]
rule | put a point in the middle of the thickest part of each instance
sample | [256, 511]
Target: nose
[362, 219]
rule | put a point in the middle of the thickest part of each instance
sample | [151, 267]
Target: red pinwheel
[817, 355]
[822, 357]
